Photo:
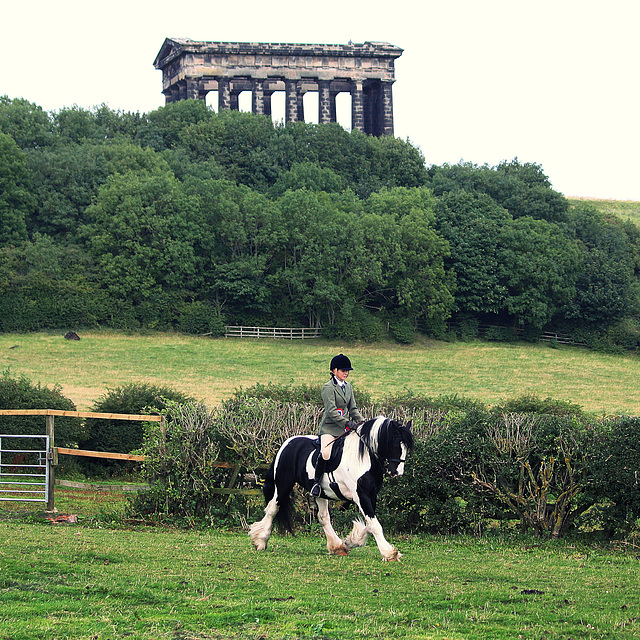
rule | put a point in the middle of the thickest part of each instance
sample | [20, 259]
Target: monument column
[234, 99]
[267, 103]
[387, 108]
[324, 101]
[334, 111]
[357, 106]
[224, 94]
[257, 97]
[291, 101]
[192, 89]
[300, 101]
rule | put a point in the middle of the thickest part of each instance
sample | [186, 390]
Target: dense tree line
[185, 218]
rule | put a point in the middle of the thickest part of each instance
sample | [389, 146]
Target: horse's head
[401, 441]
[388, 441]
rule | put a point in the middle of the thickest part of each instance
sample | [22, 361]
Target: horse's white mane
[375, 431]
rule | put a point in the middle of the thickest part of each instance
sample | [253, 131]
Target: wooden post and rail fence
[52, 453]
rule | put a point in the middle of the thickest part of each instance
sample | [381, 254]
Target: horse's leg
[334, 544]
[388, 551]
[260, 531]
[358, 536]
[366, 504]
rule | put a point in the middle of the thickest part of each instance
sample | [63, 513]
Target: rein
[374, 456]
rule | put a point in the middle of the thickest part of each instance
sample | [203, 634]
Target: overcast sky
[553, 82]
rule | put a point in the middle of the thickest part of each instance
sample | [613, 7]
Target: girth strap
[336, 489]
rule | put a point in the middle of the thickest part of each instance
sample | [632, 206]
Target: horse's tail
[284, 515]
[269, 487]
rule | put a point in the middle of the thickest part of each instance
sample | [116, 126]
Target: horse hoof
[340, 551]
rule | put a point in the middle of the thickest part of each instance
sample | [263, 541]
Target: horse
[354, 473]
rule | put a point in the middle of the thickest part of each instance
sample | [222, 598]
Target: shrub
[618, 475]
[538, 468]
[20, 393]
[435, 494]
[403, 330]
[124, 436]
[303, 393]
[356, 324]
[201, 318]
[281, 393]
[437, 329]
[180, 453]
[501, 334]
[468, 329]
[530, 403]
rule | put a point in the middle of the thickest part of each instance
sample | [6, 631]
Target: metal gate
[24, 473]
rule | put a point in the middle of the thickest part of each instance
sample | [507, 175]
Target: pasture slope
[212, 369]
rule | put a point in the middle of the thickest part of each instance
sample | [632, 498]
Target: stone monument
[192, 69]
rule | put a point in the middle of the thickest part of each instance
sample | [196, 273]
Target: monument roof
[174, 47]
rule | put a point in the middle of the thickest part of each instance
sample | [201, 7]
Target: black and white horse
[355, 471]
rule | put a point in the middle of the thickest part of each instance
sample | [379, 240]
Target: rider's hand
[350, 425]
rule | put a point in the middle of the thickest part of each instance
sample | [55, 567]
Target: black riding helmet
[340, 362]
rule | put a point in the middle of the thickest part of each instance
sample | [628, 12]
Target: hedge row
[539, 465]
[550, 469]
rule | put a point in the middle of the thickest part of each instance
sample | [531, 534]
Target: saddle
[336, 453]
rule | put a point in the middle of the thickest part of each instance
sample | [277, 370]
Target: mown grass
[66, 581]
[212, 369]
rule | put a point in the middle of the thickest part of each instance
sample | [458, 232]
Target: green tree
[66, 179]
[539, 266]
[239, 142]
[162, 128]
[46, 284]
[140, 235]
[310, 176]
[15, 198]
[315, 249]
[409, 255]
[607, 287]
[471, 224]
[26, 123]
[522, 189]
[233, 235]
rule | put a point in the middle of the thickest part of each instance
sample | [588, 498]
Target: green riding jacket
[339, 407]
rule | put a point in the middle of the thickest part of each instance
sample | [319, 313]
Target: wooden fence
[284, 333]
[52, 456]
[547, 336]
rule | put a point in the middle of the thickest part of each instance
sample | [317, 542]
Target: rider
[340, 413]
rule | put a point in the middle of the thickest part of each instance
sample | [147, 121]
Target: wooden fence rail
[285, 333]
[230, 489]
[52, 454]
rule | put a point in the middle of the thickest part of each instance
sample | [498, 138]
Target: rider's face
[341, 374]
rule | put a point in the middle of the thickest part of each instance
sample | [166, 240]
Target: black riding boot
[320, 465]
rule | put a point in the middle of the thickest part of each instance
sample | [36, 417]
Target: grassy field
[212, 369]
[73, 581]
[625, 209]
[107, 577]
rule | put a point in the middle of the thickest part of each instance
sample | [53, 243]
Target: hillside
[212, 369]
[625, 209]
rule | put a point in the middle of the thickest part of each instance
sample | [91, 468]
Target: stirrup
[316, 490]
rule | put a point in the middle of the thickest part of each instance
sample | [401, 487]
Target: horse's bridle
[371, 452]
